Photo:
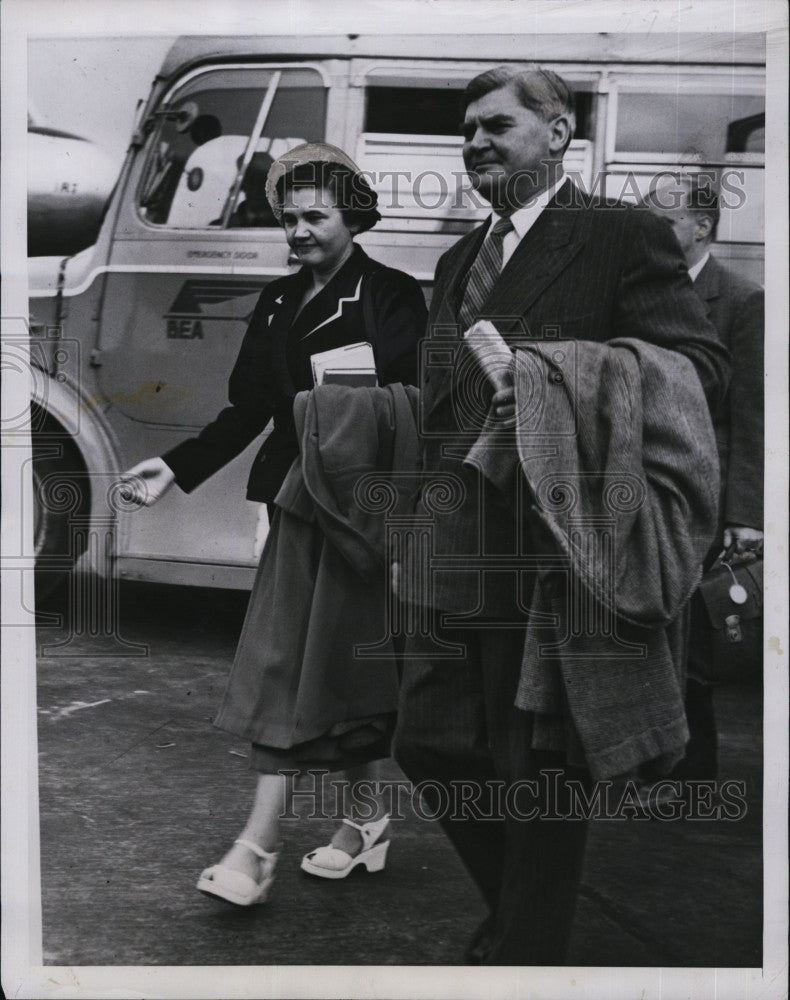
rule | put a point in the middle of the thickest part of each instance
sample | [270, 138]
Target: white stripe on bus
[172, 269]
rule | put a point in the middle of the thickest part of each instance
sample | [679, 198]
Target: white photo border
[24, 974]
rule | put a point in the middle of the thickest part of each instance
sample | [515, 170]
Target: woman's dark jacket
[364, 301]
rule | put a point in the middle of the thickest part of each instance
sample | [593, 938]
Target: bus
[132, 339]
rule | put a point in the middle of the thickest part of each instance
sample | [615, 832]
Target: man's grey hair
[540, 90]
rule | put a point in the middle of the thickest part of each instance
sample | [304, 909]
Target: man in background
[736, 307]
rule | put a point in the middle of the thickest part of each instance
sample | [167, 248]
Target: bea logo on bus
[184, 319]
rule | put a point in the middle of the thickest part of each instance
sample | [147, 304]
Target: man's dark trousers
[458, 725]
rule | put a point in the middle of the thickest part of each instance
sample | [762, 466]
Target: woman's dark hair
[355, 198]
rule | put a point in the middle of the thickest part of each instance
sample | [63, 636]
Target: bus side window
[719, 132]
[205, 183]
[412, 149]
[162, 182]
[703, 126]
[206, 126]
[186, 129]
[746, 135]
[253, 208]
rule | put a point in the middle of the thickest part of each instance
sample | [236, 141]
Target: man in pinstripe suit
[551, 263]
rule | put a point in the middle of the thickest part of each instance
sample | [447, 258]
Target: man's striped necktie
[483, 273]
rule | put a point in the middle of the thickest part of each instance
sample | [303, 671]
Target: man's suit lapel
[463, 255]
[707, 285]
[540, 257]
[443, 324]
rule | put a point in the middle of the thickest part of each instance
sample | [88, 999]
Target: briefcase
[732, 595]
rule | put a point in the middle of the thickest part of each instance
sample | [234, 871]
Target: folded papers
[353, 364]
[490, 351]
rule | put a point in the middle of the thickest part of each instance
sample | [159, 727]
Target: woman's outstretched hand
[147, 481]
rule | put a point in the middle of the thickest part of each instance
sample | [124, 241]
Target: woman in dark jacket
[338, 297]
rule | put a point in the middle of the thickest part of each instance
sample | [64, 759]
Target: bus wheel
[60, 493]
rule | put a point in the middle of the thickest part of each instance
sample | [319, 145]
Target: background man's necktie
[483, 273]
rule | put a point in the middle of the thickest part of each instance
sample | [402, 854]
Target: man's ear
[703, 228]
[560, 133]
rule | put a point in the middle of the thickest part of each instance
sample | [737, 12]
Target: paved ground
[138, 792]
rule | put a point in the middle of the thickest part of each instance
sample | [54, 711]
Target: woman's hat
[308, 152]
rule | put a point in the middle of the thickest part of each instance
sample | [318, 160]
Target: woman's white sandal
[331, 862]
[236, 887]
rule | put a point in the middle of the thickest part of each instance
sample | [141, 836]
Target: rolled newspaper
[491, 352]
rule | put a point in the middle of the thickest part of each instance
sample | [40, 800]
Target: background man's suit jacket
[736, 307]
[587, 270]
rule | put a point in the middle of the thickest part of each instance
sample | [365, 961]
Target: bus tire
[60, 493]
